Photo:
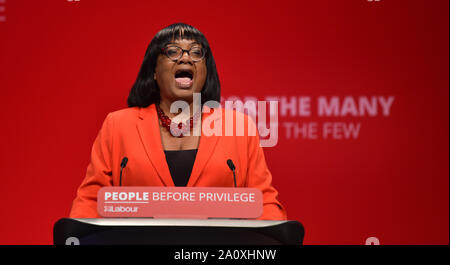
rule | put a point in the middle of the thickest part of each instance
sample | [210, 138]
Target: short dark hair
[145, 90]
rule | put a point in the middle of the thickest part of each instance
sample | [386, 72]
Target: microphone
[233, 168]
[123, 164]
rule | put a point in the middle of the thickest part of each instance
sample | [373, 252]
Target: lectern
[150, 231]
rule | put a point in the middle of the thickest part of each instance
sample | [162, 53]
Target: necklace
[184, 127]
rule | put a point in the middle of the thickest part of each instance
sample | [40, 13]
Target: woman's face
[178, 80]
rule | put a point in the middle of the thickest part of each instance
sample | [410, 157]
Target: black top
[180, 164]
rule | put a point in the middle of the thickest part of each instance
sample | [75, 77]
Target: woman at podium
[148, 145]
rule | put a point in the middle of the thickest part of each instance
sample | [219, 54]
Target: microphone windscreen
[230, 164]
[124, 162]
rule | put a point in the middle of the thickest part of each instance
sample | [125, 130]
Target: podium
[149, 231]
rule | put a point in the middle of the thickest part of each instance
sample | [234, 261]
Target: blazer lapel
[205, 151]
[148, 128]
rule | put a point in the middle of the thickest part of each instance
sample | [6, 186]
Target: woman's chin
[183, 93]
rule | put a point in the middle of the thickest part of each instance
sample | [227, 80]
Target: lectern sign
[179, 202]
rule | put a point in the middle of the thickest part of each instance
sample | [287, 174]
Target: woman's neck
[165, 106]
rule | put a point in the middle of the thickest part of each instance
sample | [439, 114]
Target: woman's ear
[154, 76]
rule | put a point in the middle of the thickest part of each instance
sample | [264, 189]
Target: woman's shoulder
[122, 117]
[227, 112]
[236, 122]
[125, 114]
[238, 115]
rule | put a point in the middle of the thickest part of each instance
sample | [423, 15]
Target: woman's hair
[145, 90]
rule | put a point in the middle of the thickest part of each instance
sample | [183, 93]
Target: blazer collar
[148, 128]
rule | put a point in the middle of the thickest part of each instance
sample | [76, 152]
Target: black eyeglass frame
[164, 51]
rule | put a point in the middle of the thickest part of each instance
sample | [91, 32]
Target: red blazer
[134, 133]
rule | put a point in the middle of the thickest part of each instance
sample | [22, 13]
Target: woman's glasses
[174, 53]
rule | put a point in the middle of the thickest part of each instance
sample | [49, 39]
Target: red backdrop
[64, 65]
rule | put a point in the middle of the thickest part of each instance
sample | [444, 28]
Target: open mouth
[184, 74]
[183, 78]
